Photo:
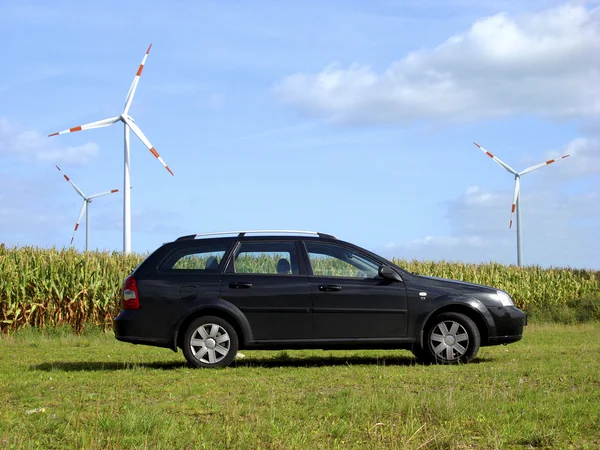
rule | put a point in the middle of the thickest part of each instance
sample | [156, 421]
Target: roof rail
[242, 233]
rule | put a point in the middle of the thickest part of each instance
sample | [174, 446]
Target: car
[214, 294]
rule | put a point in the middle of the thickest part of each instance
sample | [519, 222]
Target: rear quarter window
[197, 259]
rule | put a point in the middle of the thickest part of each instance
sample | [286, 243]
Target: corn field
[49, 287]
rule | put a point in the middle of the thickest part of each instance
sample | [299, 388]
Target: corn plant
[50, 287]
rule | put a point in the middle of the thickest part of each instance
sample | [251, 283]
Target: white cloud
[216, 101]
[477, 196]
[448, 241]
[31, 145]
[559, 228]
[584, 160]
[181, 88]
[266, 133]
[208, 98]
[29, 212]
[70, 155]
[40, 208]
[544, 63]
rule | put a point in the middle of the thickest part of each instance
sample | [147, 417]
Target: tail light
[131, 299]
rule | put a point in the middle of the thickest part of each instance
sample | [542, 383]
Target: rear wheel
[450, 338]
[210, 342]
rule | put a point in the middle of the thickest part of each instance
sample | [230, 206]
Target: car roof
[257, 233]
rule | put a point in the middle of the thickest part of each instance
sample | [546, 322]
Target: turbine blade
[138, 132]
[72, 184]
[103, 193]
[88, 126]
[537, 166]
[515, 197]
[135, 82]
[78, 220]
[498, 160]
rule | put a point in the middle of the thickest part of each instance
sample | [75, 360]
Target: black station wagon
[213, 294]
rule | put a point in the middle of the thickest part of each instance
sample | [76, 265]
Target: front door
[267, 282]
[350, 299]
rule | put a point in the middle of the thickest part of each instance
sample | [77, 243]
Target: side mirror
[389, 274]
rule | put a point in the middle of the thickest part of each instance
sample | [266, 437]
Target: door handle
[239, 285]
[330, 287]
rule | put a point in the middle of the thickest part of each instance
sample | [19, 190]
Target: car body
[216, 293]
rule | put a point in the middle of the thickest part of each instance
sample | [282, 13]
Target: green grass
[542, 392]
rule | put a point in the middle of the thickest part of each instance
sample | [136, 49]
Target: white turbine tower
[86, 207]
[129, 124]
[516, 204]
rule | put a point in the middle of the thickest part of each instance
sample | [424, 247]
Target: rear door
[268, 282]
[350, 300]
[181, 276]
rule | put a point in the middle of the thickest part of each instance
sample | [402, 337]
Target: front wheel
[450, 338]
[210, 342]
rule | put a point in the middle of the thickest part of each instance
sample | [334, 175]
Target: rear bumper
[126, 330]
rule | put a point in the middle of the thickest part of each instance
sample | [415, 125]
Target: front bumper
[497, 340]
[509, 321]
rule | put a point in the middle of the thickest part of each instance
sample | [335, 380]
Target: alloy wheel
[210, 343]
[449, 340]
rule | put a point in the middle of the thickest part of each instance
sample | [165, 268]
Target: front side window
[205, 260]
[268, 258]
[330, 260]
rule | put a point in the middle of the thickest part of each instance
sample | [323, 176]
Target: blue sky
[349, 117]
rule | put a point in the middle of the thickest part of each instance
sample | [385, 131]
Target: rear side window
[269, 258]
[203, 260]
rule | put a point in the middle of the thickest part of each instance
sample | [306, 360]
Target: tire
[421, 354]
[450, 338]
[210, 342]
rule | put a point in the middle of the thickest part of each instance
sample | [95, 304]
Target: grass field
[95, 392]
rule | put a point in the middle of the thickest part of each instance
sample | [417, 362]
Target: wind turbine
[85, 206]
[129, 124]
[516, 204]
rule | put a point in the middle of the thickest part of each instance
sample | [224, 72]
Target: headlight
[504, 298]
